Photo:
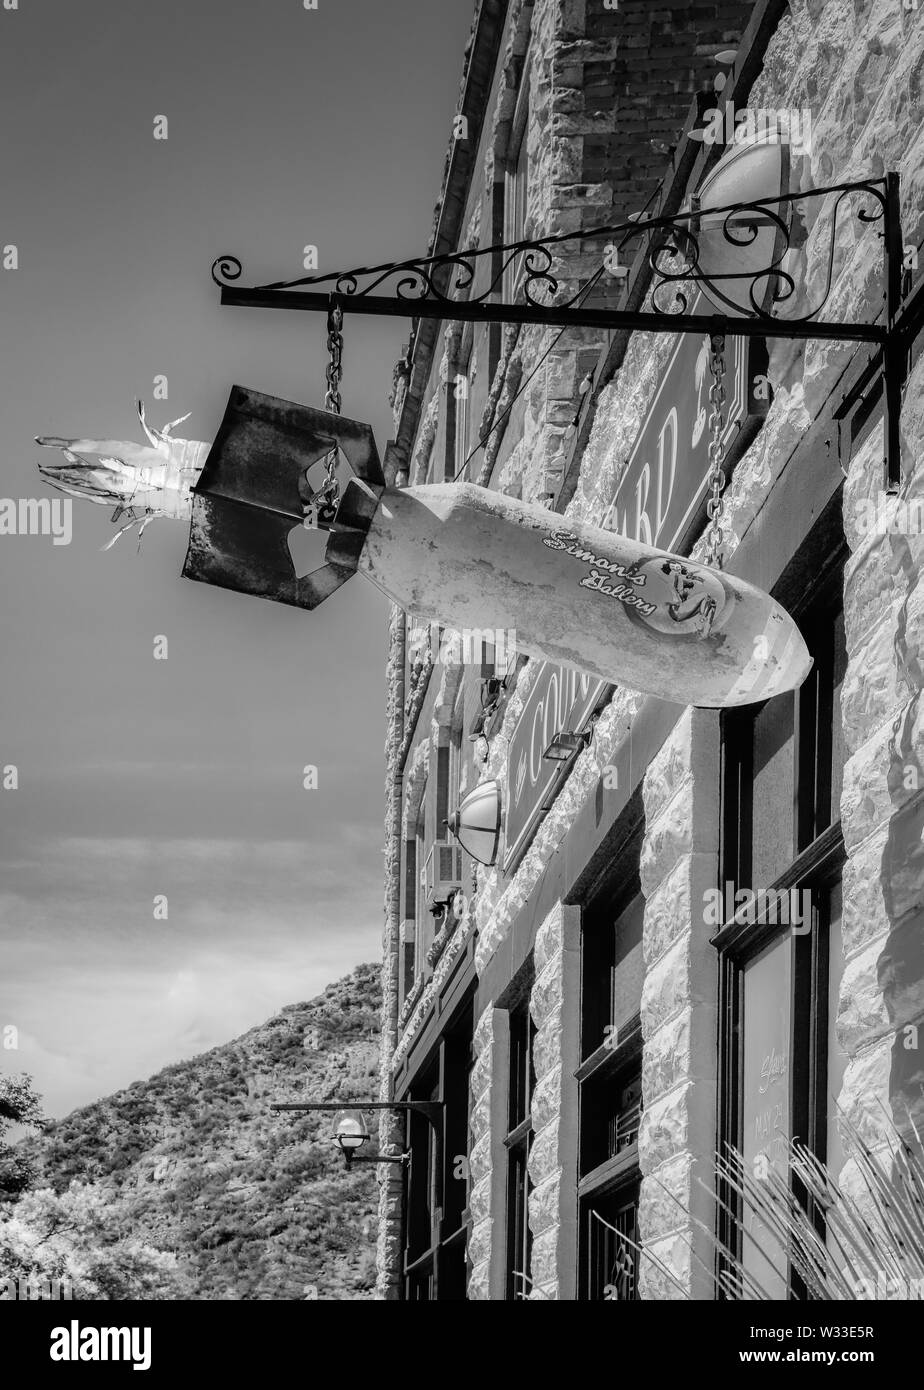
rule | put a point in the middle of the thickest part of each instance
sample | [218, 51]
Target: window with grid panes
[436, 1176]
[781, 1067]
[610, 1079]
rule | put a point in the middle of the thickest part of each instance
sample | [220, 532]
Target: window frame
[516, 183]
[517, 1141]
[818, 857]
[607, 1067]
[435, 1262]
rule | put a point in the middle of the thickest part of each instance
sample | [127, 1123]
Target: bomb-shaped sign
[578, 596]
[478, 561]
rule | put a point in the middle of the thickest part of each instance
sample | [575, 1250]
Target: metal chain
[335, 364]
[330, 488]
[715, 507]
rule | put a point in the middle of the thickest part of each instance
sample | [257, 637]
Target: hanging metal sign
[470, 559]
[659, 501]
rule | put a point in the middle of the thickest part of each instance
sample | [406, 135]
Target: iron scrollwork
[678, 250]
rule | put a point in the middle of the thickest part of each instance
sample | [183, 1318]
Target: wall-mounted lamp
[351, 1131]
[476, 824]
[742, 253]
[565, 746]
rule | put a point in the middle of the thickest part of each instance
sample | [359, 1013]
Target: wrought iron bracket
[432, 1110]
[683, 253]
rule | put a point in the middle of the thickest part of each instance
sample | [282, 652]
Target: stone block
[545, 1156]
[862, 1018]
[547, 1044]
[683, 1049]
[667, 1275]
[870, 691]
[546, 1100]
[677, 904]
[685, 976]
[479, 1200]
[545, 1206]
[479, 1241]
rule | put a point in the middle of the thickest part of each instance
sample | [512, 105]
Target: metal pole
[894, 353]
[555, 316]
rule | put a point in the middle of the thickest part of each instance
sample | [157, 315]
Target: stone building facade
[593, 1030]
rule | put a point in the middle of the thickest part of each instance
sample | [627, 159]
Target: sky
[182, 778]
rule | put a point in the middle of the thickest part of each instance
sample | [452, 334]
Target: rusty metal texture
[253, 490]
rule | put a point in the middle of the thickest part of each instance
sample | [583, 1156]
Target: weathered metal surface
[254, 489]
[580, 596]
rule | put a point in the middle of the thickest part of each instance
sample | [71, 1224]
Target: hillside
[253, 1205]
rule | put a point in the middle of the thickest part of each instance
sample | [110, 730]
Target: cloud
[104, 994]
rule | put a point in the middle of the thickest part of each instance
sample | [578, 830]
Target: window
[421, 917]
[612, 970]
[409, 919]
[610, 1080]
[516, 187]
[519, 1136]
[609, 1240]
[780, 949]
[462, 396]
[436, 1234]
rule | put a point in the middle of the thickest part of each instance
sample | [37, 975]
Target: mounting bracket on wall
[747, 256]
[351, 1132]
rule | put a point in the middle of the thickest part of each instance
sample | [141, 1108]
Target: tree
[20, 1104]
[74, 1238]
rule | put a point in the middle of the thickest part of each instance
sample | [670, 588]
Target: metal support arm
[691, 250]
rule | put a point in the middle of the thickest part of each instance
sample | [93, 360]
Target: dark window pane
[522, 1032]
[519, 1236]
[772, 804]
[765, 1095]
[612, 970]
[610, 1111]
[628, 966]
[838, 751]
[837, 1059]
[609, 1237]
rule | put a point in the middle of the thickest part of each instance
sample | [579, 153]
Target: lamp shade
[351, 1132]
[735, 247]
[476, 824]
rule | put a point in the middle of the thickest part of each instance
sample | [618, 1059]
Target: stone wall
[554, 1153]
[487, 1168]
[859, 67]
[679, 863]
[391, 1127]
